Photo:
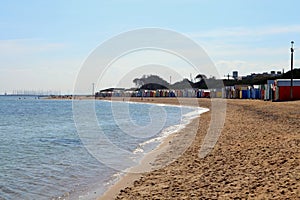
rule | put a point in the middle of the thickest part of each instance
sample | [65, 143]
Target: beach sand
[256, 157]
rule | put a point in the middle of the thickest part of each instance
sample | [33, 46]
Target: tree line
[154, 82]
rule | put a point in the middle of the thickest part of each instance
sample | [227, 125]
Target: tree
[200, 77]
[150, 79]
[184, 84]
[138, 82]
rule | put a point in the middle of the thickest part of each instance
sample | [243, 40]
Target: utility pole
[292, 60]
[191, 77]
[93, 89]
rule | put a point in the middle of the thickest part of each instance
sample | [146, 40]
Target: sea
[44, 155]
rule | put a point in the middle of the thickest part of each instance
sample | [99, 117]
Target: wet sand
[257, 157]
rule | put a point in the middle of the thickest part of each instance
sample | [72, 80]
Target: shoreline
[257, 156]
[152, 160]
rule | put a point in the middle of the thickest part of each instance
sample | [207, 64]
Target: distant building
[110, 92]
[264, 74]
[235, 75]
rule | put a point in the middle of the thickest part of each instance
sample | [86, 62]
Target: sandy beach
[257, 157]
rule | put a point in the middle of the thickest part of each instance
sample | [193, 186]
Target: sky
[43, 44]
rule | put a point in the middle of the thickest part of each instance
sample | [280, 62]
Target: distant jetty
[33, 93]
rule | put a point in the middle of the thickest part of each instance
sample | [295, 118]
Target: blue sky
[44, 43]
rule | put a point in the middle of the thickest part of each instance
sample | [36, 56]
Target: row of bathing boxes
[277, 90]
[189, 93]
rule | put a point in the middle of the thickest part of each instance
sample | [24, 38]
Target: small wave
[139, 149]
[62, 141]
[186, 119]
[115, 178]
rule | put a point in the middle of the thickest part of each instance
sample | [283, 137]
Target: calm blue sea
[42, 155]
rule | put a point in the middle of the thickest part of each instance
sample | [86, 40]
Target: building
[283, 89]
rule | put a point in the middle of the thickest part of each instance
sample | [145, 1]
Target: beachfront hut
[241, 92]
[179, 93]
[158, 93]
[255, 92]
[172, 93]
[269, 90]
[190, 93]
[216, 93]
[244, 94]
[283, 89]
[229, 92]
[139, 93]
[109, 92]
[199, 93]
[262, 91]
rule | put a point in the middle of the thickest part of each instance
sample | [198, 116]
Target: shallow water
[43, 157]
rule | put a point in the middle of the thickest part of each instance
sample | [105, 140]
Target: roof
[287, 82]
[112, 89]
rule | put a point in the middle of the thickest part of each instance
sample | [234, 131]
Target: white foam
[186, 119]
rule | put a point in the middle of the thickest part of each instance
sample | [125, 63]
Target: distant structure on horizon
[34, 92]
[272, 73]
[235, 75]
